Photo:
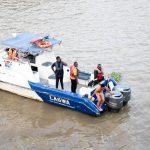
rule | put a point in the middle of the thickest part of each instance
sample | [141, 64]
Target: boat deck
[67, 86]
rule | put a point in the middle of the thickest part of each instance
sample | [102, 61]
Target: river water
[115, 33]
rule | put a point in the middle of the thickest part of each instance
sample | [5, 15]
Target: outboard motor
[123, 88]
[112, 102]
[121, 94]
[115, 101]
[126, 91]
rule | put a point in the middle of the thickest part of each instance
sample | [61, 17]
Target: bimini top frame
[23, 42]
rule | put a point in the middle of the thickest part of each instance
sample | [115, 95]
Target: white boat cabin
[31, 62]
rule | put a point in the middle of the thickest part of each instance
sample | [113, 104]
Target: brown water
[115, 33]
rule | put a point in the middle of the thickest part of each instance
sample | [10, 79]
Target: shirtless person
[99, 94]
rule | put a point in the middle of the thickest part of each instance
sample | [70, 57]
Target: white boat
[28, 73]
[33, 64]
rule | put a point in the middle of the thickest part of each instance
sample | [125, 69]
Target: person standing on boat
[74, 76]
[59, 72]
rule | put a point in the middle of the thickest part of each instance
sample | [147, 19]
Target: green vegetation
[116, 76]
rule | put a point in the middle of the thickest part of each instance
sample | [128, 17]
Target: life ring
[35, 40]
[43, 44]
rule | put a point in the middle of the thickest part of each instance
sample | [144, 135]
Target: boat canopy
[23, 42]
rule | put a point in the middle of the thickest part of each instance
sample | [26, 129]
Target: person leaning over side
[99, 94]
[74, 76]
[59, 72]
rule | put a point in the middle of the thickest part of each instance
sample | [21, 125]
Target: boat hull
[65, 99]
[42, 93]
[21, 91]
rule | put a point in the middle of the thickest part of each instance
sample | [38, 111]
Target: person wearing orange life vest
[14, 55]
[99, 73]
[74, 76]
[10, 53]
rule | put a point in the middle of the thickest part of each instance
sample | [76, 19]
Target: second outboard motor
[115, 101]
[126, 91]
[123, 88]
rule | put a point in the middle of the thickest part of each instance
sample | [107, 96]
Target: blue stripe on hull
[65, 99]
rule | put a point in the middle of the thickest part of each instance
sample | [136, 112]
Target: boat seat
[84, 75]
[46, 64]
[52, 76]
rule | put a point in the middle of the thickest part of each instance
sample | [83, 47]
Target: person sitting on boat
[99, 94]
[12, 53]
[74, 76]
[59, 72]
[98, 76]
[9, 53]
[99, 73]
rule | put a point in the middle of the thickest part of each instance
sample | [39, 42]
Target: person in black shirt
[59, 72]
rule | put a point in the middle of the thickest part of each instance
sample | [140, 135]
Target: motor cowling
[125, 90]
[114, 101]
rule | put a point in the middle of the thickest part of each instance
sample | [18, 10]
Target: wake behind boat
[27, 72]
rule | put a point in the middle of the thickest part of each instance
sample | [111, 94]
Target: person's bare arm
[92, 95]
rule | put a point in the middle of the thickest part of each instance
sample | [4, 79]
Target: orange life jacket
[72, 76]
[43, 44]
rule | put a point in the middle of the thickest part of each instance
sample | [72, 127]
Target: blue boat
[65, 99]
